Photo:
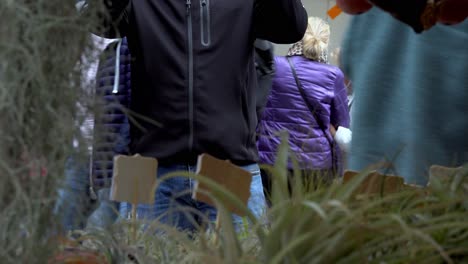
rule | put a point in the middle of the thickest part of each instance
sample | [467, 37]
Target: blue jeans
[74, 205]
[106, 212]
[175, 206]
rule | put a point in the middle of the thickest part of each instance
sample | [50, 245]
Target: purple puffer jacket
[287, 111]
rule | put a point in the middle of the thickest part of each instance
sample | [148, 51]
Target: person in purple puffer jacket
[310, 115]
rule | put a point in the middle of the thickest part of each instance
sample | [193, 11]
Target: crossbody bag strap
[312, 110]
[304, 97]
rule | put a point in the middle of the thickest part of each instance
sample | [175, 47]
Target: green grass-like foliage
[327, 225]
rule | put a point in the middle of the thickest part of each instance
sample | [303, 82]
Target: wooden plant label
[134, 179]
[374, 182]
[224, 173]
[442, 173]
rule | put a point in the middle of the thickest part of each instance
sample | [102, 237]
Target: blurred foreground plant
[41, 46]
[327, 225]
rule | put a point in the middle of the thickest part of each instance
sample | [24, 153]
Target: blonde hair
[316, 39]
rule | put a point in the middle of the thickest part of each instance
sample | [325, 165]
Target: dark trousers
[311, 180]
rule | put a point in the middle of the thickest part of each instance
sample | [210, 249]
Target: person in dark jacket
[112, 128]
[194, 76]
[84, 199]
[307, 114]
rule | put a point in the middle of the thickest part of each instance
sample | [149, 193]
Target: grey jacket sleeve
[280, 21]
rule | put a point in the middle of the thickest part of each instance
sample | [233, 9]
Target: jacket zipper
[190, 72]
[205, 22]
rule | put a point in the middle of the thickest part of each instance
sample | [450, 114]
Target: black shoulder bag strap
[314, 113]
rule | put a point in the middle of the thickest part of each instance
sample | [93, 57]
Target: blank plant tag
[375, 182]
[134, 179]
[224, 173]
[442, 173]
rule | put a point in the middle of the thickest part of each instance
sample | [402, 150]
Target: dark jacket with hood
[111, 129]
[193, 72]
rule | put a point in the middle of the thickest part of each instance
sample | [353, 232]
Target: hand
[343, 138]
[332, 130]
[416, 13]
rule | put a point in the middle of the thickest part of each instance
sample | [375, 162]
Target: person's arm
[280, 21]
[339, 113]
[113, 16]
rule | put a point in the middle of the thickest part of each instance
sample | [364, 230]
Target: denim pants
[74, 204]
[175, 206]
